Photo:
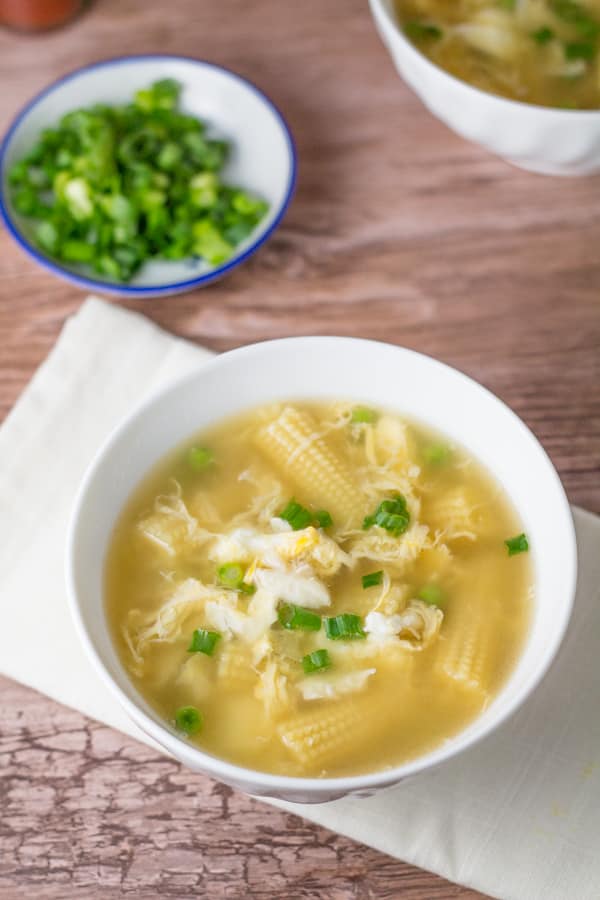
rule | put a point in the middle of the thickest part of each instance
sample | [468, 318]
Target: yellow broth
[543, 52]
[459, 604]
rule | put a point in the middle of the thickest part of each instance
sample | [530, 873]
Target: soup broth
[536, 51]
[318, 589]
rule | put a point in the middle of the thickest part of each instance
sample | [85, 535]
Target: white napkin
[517, 817]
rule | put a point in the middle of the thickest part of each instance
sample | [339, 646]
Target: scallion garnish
[204, 641]
[188, 719]
[372, 579]
[231, 575]
[199, 458]
[419, 31]
[576, 15]
[431, 594]
[323, 518]
[436, 454]
[300, 517]
[580, 50]
[293, 617]
[518, 544]
[543, 35]
[346, 626]
[316, 661]
[391, 515]
[297, 515]
[362, 414]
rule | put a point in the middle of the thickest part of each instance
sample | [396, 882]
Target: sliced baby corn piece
[320, 736]
[465, 651]
[292, 443]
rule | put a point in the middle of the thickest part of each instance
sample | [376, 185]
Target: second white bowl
[536, 138]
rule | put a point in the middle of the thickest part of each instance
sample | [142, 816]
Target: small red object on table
[37, 15]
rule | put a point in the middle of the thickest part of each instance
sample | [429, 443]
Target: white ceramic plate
[263, 158]
[327, 367]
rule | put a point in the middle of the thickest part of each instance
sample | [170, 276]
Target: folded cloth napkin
[517, 817]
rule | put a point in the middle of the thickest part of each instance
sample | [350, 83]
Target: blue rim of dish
[115, 288]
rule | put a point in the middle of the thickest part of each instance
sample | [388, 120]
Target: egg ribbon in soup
[543, 52]
[318, 589]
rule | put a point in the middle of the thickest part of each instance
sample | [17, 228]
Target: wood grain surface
[400, 231]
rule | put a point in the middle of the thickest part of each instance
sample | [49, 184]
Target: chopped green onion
[363, 414]
[293, 617]
[346, 626]
[209, 243]
[188, 719]
[431, 594]
[315, 661]
[199, 458]
[163, 94]
[518, 544]
[231, 575]
[391, 515]
[300, 517]
[77, 252]
[543, 35]
[205, 188]
[169, 156]
[323, 518]
[372, 579]
[297, 515]
[422, 31]
[121, 185]
[19, 173]
[47, 236]
[436, 454]
[204, 641]
[576, 15]
[580, 50]
[25, 201]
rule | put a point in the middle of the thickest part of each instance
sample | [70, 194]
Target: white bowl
[263, 156]
[326, 367]
[536, 138]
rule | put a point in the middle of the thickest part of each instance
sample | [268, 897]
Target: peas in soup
[318, 589]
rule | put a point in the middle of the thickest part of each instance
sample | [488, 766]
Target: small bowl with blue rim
[258, 164]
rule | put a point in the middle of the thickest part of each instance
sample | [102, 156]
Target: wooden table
[399, 231]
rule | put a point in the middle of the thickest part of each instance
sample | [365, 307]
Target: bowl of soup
[317, 566]
[519, 77]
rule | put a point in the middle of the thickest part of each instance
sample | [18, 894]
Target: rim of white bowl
[394, 23]
[111, 287]
[265, 782]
